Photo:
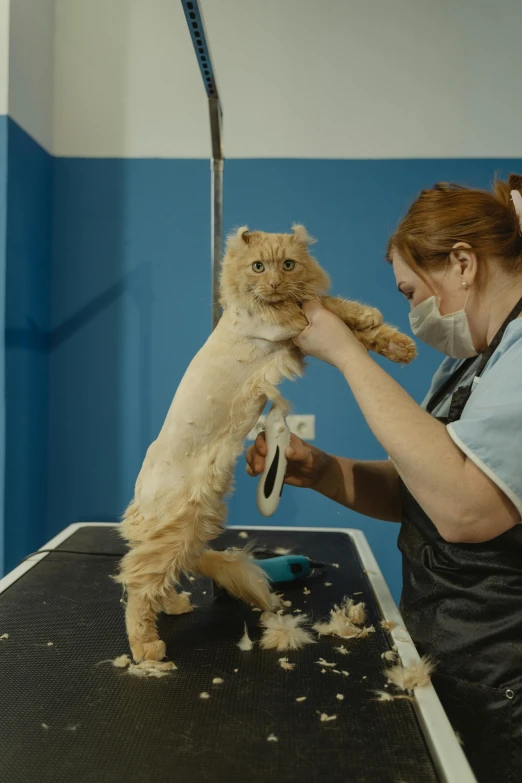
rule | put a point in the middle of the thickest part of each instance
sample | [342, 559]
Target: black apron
[462, 605]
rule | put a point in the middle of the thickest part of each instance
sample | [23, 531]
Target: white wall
[379, 78]
[298, 78]
[31, 76]
[126, 81]
[4, 54]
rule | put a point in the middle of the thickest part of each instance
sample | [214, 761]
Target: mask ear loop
[441, 281]
[467, 296]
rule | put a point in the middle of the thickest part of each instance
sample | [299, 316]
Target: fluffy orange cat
[178, 502]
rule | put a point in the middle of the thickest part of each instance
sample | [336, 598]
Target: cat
[178, 505]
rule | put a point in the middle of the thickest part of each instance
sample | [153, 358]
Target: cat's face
[269, 269]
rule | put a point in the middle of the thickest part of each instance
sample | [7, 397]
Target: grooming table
[69, 716]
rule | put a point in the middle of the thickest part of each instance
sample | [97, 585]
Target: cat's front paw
[389, 342]
[369, 318]
[401, 349]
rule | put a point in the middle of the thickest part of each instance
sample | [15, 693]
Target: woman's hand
[326, 337]
[306, 464]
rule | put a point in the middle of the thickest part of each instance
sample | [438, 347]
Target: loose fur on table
[345, 621]
[385, 696]
[144, 669]
[284, 632]
[245, 644]
[178, 505]
[418, 675]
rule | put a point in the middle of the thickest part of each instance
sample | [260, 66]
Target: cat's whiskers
[299, 286]
[301, 293]
[308, 296]
[295, 297]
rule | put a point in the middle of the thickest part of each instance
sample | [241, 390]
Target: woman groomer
[454, 478]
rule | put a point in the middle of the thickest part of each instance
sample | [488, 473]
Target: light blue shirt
[490, 429]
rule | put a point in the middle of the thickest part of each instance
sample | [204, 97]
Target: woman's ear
[464, 261]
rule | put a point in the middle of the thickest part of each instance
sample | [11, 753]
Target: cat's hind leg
[143, 605]
[175, 603]
[147, 572]
[140, 619]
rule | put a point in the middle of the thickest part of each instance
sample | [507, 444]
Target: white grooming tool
[270, 484]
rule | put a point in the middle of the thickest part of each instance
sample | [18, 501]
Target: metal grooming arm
[199, 40]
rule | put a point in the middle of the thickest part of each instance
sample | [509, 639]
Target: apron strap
[463, 393]
[446, 387]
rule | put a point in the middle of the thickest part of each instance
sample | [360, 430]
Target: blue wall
[106, 264]
[3, 224]
[130, 306]
[28, 267]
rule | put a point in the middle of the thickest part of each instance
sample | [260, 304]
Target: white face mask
[449, 334]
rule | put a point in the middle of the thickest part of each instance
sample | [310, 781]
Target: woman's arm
[462, 502]
[370, 488]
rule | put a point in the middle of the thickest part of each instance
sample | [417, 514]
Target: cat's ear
[302, 235]
[238, 239]
[243, 234]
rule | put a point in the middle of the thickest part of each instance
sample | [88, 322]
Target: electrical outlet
[301, 425]
[254, 432]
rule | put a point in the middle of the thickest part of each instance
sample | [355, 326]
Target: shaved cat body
[178, 505]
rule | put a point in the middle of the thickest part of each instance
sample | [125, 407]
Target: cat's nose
[274, 285]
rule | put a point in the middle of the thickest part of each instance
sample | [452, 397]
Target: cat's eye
[257, 266]
[288, 264]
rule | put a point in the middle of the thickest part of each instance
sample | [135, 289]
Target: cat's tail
[239, 575]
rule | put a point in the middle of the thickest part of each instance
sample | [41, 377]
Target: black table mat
[103, 725]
